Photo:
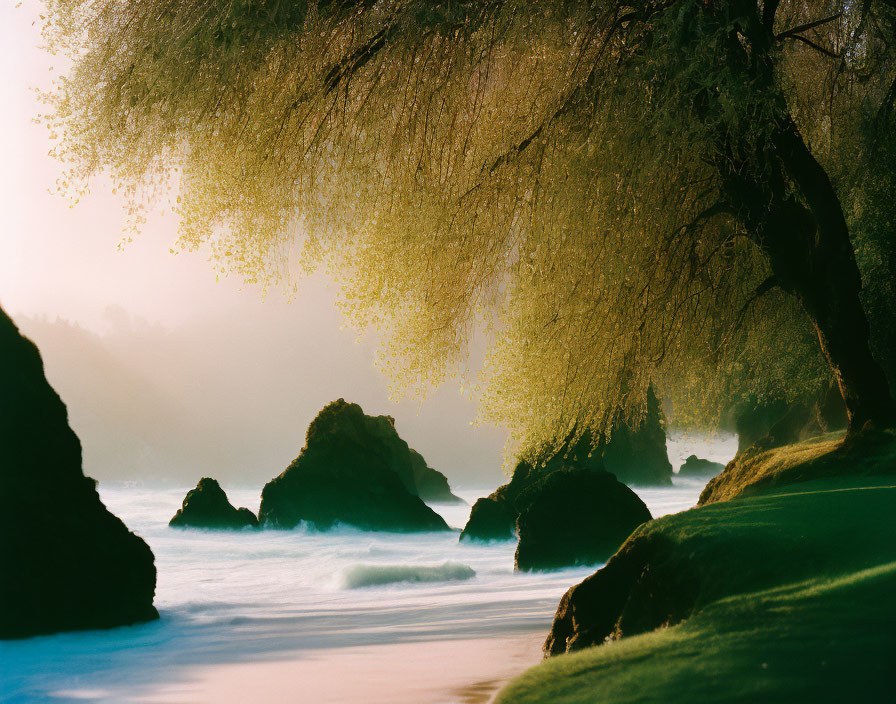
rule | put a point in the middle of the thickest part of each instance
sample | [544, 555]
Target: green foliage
[547, 170]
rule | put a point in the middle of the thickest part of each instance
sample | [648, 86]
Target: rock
[575, 516]
[695, 467]
[490, 519]
[494, 517]
[430, 484]
[648, 583]
[353, 469]
[66, 562]
[207, 506]
[867, 452]
[637, 456]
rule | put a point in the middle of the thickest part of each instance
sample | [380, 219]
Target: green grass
[796, 605]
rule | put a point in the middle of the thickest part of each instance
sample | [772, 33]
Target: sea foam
[360, 576]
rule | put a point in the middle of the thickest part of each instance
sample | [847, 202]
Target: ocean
[343, 616]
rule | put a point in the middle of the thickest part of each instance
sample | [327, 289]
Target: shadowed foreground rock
[647, 584]
[350, 471]
[207, 506]
[66, 562]
[576, 517]
[695, 467]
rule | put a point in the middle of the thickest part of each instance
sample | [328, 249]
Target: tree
[626, 192]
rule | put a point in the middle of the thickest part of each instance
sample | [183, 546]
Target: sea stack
[636, 454]
[66, 562]
[207, 506]
[350, 471]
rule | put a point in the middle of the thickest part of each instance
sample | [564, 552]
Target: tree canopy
[601, 183]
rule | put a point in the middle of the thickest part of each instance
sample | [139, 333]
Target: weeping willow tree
[624, 192]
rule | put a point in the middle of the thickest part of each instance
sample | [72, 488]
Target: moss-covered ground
[798, 604]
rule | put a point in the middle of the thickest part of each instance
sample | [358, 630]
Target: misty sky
[235, 377]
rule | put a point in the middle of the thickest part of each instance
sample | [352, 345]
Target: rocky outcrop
[646, 585]
[637, 455]
[867, 452]
[207, 506]
[490, 519]
[494, 517]
[352, 470]
[66, 562]
[699, 468]
[575, 517]
[430, 484]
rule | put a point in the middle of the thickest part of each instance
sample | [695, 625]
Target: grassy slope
[802, 584]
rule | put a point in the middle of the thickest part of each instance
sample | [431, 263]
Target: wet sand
[432, 672]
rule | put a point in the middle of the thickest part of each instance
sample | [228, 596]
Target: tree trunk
[843, 332]
[802, 231]
[811, 255]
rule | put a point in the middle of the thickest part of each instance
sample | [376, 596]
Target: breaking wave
[376, 575]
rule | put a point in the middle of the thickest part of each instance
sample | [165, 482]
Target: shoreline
[471, 671]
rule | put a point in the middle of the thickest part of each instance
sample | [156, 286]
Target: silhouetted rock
[490, 519]
[695, 467]
[637, 456]
[66, 562]
[494, 517]
[575, 516]
[207, 506]
[350, 471]
[430, 484]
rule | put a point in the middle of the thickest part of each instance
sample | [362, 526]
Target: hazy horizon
[58, 261]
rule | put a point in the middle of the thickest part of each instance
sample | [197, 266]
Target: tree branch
[817, 47]
[792, 32]
[357, 59]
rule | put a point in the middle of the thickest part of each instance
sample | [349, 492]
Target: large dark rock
[576, 517]
[636, 456]
[207, 506]
[66, 562]
[490, 519]
[430, 484]
[350, 471]
[699, 468]
[645, 585]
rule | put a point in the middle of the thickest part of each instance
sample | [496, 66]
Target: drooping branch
[794, 31]
[817, 47]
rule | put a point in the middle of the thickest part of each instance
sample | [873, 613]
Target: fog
[168, 374]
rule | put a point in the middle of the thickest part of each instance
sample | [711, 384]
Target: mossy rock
[350, 471]
[575, 517]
